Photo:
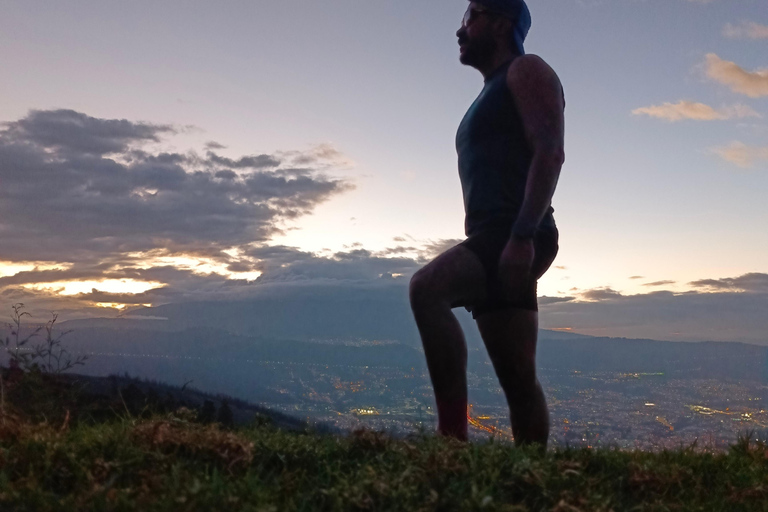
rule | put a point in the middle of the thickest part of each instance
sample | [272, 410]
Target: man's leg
[510, 338]
[454, 278]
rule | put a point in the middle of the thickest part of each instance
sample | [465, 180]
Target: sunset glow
[8, 269]
[108, 285]
[196, 265]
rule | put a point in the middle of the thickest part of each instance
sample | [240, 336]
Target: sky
[156, 152]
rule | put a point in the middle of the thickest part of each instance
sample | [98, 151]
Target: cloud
[70, 133]
[723, 309]
[637, 277]
[754, 282]
[599, 294]
[724, 316]
[696, 111]
[291, 265]
[659, 283]
[543, 301]
[91, 200]
[753, 84]
[432, 249]
[742, 155]
[285, 270]
[746, 30]
[79, 189]
[245, 162]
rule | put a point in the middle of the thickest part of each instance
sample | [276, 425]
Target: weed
[49, 356]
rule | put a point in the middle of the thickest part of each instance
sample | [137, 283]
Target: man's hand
[515, 267]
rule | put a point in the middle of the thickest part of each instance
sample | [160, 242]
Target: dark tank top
[494, 158]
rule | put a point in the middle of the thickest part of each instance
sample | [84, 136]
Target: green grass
[65, 450]
[168, 464]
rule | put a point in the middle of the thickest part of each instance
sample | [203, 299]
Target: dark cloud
[282, 267]
[399, 250]
[80, 189]
[599, 294]
[70, 132]
[432, 249]
[664, 315]
[245, 162]
[752, 282]
[226, 174]
[358, 265]
[543, 301]
[728, 309]
[99, 296]
[659, 283]
[360, 275]
[57, 275]
[637, 277]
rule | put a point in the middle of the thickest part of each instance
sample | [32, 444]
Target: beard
[477, 51]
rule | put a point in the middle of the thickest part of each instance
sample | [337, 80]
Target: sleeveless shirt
[494, 158]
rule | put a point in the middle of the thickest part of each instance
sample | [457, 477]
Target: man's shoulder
[530, 67]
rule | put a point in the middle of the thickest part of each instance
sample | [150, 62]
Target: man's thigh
[457, 276]
[510, 335]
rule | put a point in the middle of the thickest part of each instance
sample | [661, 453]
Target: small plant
[54, 357]
[48, 357]
[15, 344]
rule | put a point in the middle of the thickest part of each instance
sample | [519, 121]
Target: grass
[169, 462]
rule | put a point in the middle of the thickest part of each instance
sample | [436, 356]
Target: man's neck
[499, 58]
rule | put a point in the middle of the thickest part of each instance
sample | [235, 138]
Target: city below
[644, 410]
[601, 392]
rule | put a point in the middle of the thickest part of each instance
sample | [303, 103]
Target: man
[510, 149]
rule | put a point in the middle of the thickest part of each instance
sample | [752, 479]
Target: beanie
[517, 11]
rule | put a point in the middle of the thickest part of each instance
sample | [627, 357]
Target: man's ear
[503, 27]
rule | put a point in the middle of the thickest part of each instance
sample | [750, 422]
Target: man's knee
[424, 290]
[419, 288]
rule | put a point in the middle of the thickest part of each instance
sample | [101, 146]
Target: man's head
[492, 25]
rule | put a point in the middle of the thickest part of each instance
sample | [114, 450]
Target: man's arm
[539, 99]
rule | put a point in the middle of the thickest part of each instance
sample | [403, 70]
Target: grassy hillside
[171, 462]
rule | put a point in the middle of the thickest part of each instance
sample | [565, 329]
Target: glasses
[472, 14]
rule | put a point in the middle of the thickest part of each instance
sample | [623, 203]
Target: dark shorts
[488, 245]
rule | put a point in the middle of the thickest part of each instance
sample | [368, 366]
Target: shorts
[488, 246]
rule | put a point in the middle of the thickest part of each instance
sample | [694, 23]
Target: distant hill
[385, 315]
[44, 397]
[715, 360]
[206, 348]
[223, 336]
